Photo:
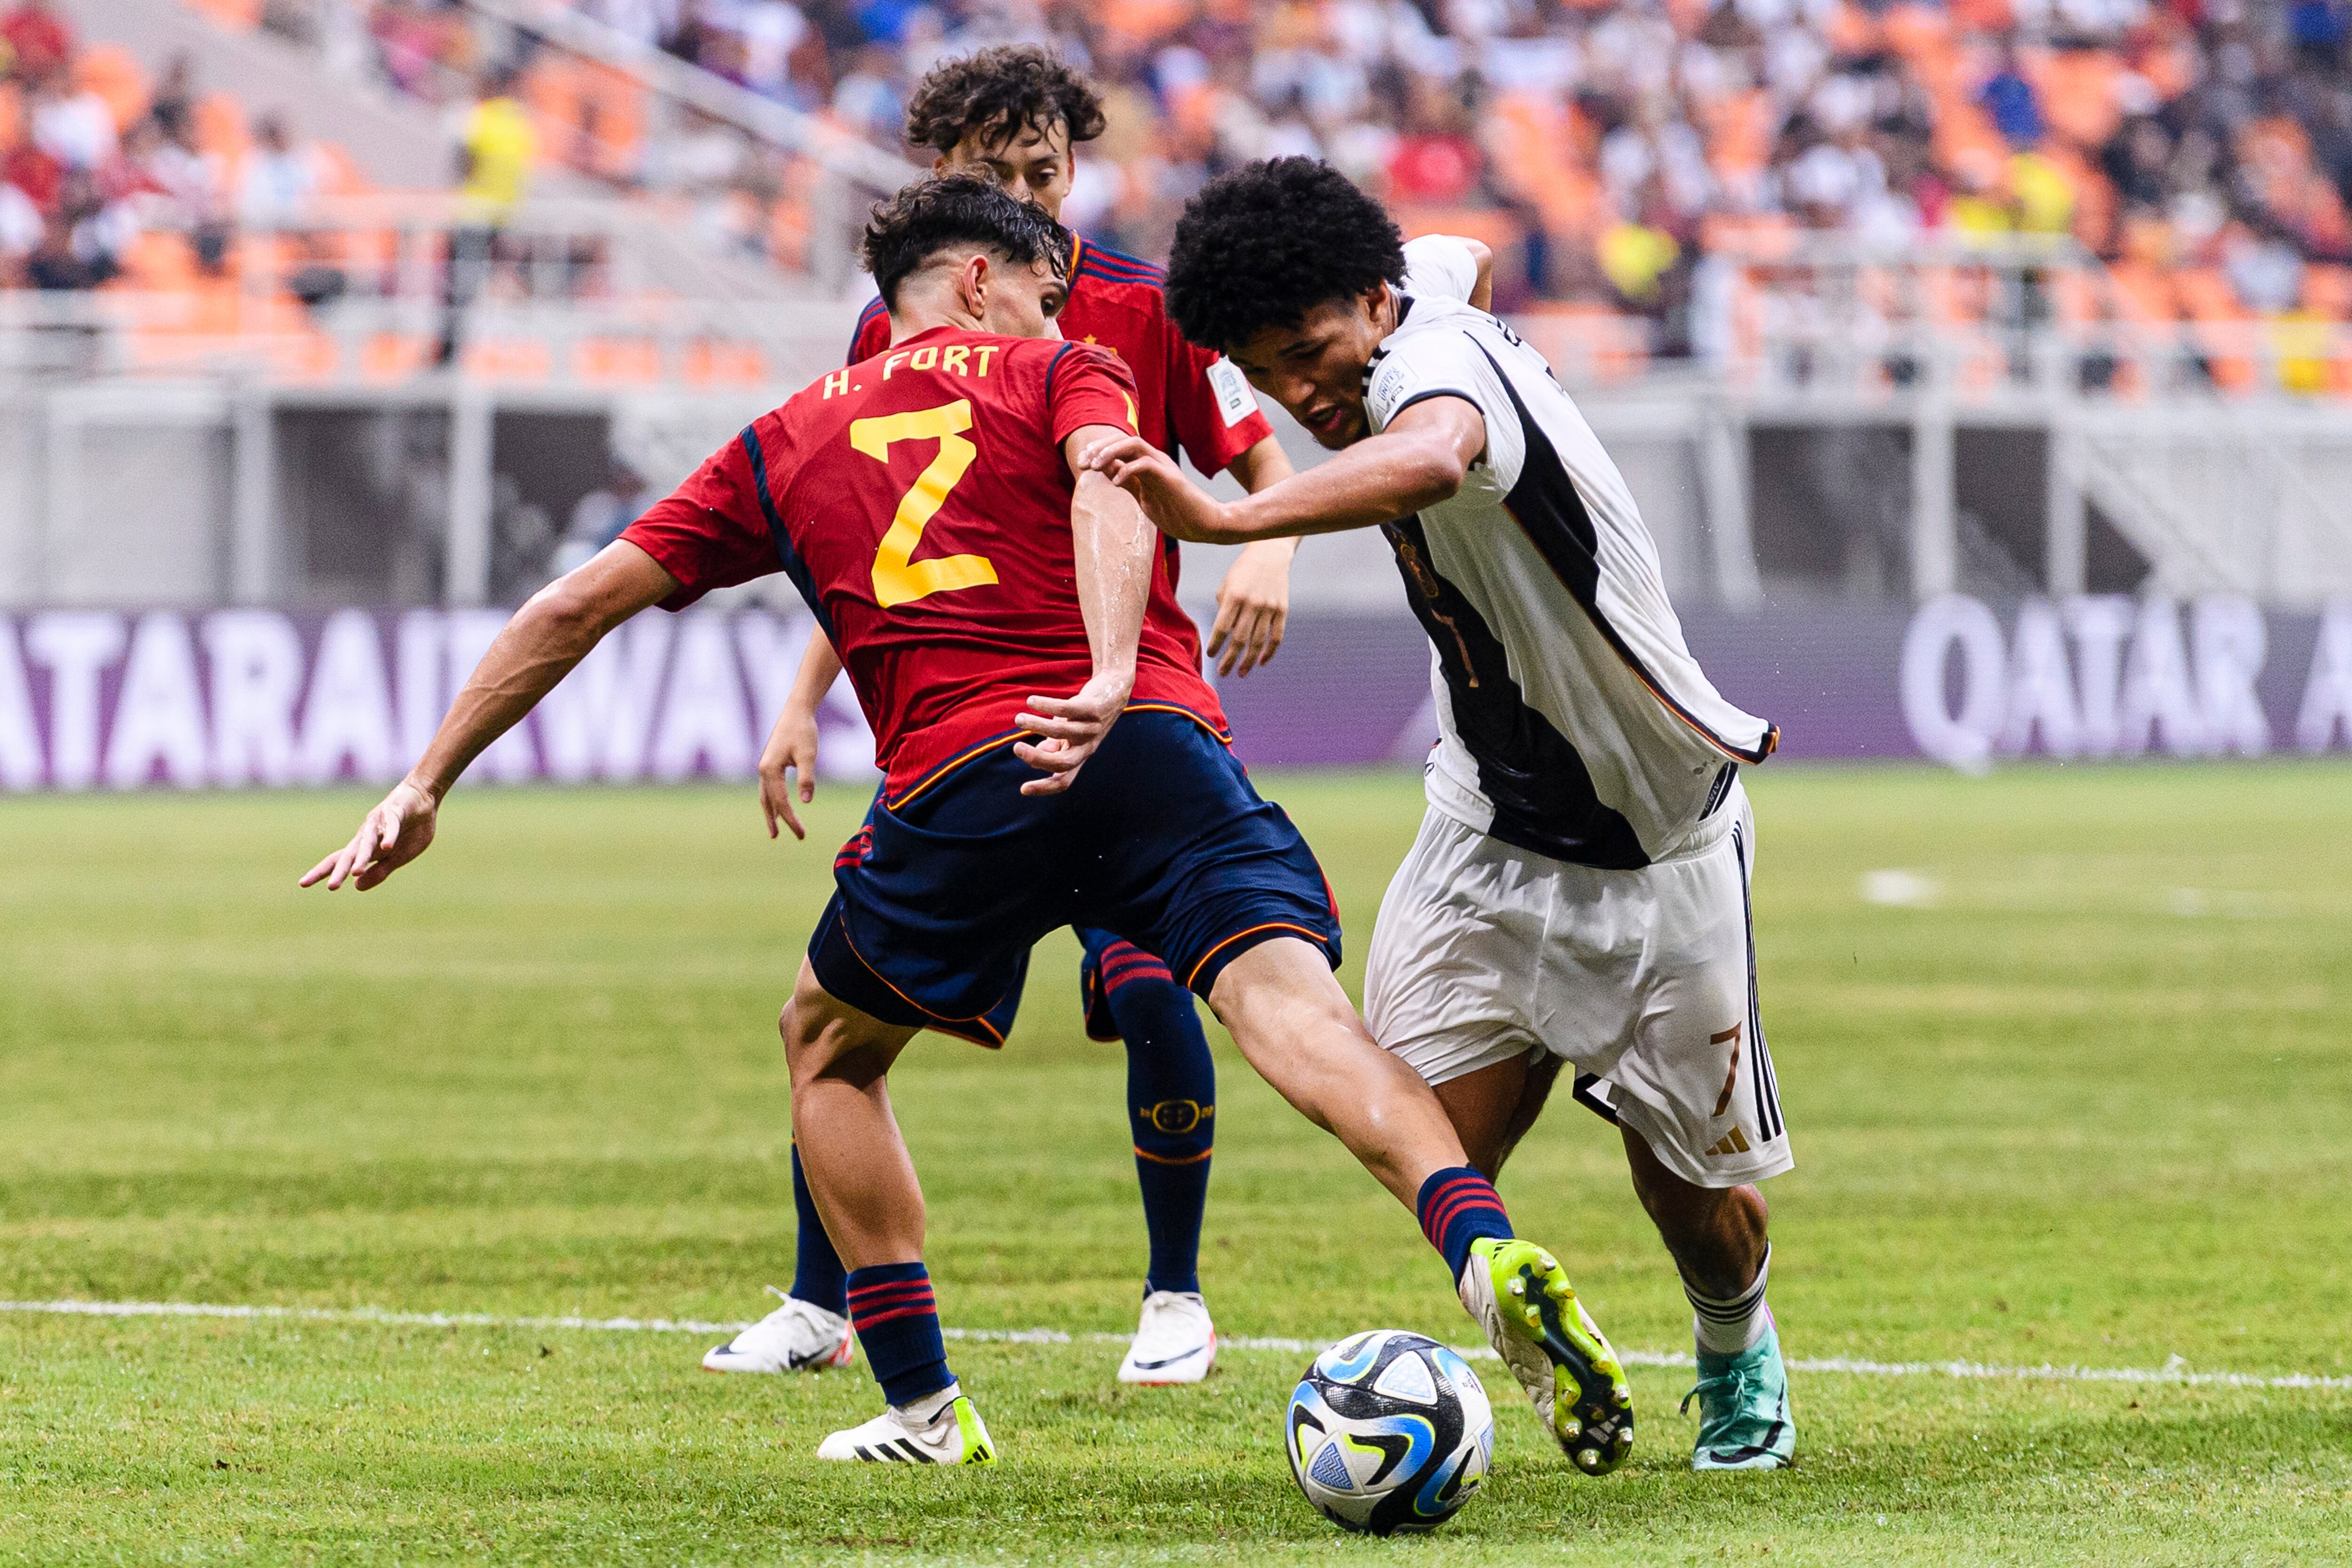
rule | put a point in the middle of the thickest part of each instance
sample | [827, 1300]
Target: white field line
[2174, 1371]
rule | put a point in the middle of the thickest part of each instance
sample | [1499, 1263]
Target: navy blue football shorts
[940, 897]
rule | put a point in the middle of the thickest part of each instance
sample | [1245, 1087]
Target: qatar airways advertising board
[109, 699]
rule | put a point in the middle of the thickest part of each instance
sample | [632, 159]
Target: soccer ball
[1389, 1431]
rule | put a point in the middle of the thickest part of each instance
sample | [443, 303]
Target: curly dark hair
[998, 93]
[929, 216]
[1264, 245]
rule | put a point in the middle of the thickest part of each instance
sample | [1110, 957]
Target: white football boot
[798, 1336]
[1174, 1342]
[942, 1429]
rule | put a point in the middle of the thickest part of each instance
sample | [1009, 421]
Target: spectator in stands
[2009, 99]
[26, 166]
[21, 226]
[172, 106]
[190, 194]
[75, 126]
[82, 241]
[39, 43]
[279, 179]
[496, 150]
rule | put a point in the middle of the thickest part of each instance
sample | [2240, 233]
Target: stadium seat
[110, 73]
[238, 16]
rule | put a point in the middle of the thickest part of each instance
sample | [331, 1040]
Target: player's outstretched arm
[1254, 600]
[547, 636]
[1418, 461]
[1117, 552]
[793, 743]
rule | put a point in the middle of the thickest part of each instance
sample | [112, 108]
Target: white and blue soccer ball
[1389, 1431]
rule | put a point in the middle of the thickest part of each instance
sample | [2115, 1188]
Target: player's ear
[972, 284]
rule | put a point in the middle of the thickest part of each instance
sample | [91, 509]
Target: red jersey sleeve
[1087, 386]
[712, 530]
[1210, 404]
[873, 334]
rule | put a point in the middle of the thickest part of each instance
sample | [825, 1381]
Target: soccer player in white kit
[1578, 899]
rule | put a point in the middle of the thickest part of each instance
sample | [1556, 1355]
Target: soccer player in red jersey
[927, 506]
[1017, 114]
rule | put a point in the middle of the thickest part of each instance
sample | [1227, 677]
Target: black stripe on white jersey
[1541, 791]
[1550, 512]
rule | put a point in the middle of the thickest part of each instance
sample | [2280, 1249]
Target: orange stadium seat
[394, 356]
[508, 359]
[2328, 289]
[240, 15]
[110, 72]
[159, 260]
[2143, 293]
[617, 362]
[713, 361]
[1852, 32]
[220, 129]
[1739, 129]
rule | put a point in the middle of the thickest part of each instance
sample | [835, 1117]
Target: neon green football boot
[1521, 1298]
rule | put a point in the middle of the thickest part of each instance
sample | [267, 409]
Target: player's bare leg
[856, 1162]
[1297, 1028]
[1290, 1019]
[1718, 1239]
[1716, 1234]
[1493, 1108]
[865, 1184]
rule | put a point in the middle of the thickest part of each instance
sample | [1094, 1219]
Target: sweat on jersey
[1573, 722]
[921, 502]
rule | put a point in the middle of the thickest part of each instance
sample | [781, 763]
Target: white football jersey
[1572, 720]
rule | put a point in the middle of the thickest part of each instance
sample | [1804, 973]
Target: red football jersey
[921, 502]
[1185, 397]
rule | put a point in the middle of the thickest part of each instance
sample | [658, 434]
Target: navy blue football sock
[1172, 1097]
[817, 1278]
[1456, 1207]
[899, 1323]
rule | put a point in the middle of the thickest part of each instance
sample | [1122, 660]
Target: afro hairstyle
[930, 215]
[1262, 246]
[998, 93]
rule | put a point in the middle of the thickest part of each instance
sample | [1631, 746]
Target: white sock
[1729, 1327]
[924, 1411]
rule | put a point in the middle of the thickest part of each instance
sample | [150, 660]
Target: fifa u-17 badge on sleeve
[1233, 399]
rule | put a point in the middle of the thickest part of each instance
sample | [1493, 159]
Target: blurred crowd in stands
[94, 159]
[1603, 146]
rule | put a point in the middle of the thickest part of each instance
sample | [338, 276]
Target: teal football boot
[1744, 1421]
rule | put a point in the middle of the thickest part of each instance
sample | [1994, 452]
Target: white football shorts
[1643, 980]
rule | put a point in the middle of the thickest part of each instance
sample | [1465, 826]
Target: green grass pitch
[2093, 1107]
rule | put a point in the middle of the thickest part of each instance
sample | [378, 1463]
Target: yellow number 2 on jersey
[898, 579]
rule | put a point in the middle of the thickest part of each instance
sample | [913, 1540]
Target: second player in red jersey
[902, 495]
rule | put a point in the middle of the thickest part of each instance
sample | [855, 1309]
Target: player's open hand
[790, 745]
[1253, 607]
[1177, 507]
[397, 832]
[1071, 728]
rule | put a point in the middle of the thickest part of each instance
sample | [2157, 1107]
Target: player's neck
[923, 312]
[914, 323]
